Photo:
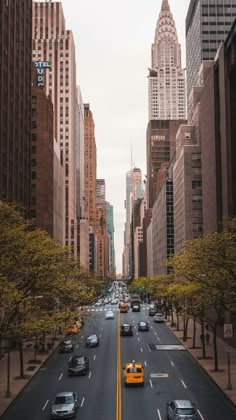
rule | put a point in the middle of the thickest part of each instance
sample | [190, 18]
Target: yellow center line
[118, 373]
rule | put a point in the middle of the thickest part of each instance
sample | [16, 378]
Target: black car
[136, 308]
[152, 311]
[143, 326]
[78, 365]
[66, 346]
[126, 329]
[92, 341]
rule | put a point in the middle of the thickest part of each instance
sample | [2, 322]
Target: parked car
[159, 318]
[126, 329]
[66, 346]
[143, 326]
[181, 409]
[133, 373]
[92, 340]
[109, 315]
[78, 365]
[65, 405]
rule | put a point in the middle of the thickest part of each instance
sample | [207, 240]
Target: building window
[34, 124]
[34, 137]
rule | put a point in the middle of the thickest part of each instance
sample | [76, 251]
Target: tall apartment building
[134, 190]
[110, 229]
[90, 165]
[52, 42]
[15, 100]
[166, 82]
[207, 24]
[42, 155]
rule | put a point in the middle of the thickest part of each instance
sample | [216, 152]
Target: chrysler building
[167, 86]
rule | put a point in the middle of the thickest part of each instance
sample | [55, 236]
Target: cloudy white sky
[113, 52]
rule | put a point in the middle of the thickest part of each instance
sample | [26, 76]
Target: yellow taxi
[134, 373]
[124, 307]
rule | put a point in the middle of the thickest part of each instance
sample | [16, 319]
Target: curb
[203, 369]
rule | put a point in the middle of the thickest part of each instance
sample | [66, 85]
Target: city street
[170, 373]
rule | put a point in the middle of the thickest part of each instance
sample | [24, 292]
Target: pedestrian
[207, 337]
[206, 326]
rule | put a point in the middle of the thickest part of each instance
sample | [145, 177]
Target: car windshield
[185, 411]
[134, 370]
[64, 400]
[143, 324]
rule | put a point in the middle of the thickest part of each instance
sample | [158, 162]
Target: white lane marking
[172, 363]
[82, 402]
[183, 384]
[60, 377]
[159, 414]
[77, 346]
[70, 358]
[90, 373]
[145, 362]
[141, 349]
[45, 405]
[138, 339]
[151, 383]
[94, 357]
[158, 338]
[82, 336]
[155, 333]
[200, 415]
[100, 335]
[149, 347]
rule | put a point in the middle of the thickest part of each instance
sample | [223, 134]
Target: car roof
[92, 336]
[65, 393]
[126, 325]
[183, 403]
[143, 322]
[136, 364]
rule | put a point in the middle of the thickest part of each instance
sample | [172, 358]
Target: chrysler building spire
[167, 90]
[165, 5]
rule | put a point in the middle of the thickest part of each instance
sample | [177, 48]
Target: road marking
[159, 414]
[159, 375]
[149, 347]
[60, 377]
[100, 335]
[155, 333]
[158, 338]
[70, 358]
[145, 362]
[82, 402]
[183, 384]
[77, 346]
[172, 363]
[82, 336]
[45, 405]
[138, 339]
[118, 373]
[200, 414]
[151, 383]
[141, 349]
[94, 357]
[90, 373]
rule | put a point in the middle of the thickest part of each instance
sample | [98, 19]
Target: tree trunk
[194, 333]
[22, 375]
[203, 340]
[215, 347]
[177, 327]
[185, 335]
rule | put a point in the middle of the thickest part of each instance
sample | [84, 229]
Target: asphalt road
[170, 373]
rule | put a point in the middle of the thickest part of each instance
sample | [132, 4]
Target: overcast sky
[113, 52]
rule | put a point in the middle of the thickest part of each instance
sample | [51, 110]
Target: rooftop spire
[165, 5]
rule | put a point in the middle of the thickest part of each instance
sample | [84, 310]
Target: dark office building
[218, 133]
[15, 100]
[207, 24]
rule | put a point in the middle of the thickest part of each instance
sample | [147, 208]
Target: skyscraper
[90, 165]
[54, 43]
[207, 24]
[166, 83]
[15, 100]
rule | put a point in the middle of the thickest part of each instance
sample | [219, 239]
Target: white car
[159, 318]
[109, 315]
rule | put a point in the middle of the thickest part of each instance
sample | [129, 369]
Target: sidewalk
[8, 392]
[221, 376]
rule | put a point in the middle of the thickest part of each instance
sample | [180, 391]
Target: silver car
[181, 409]
[64, 406]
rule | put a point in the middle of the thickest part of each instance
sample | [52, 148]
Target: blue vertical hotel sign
[40, 67]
